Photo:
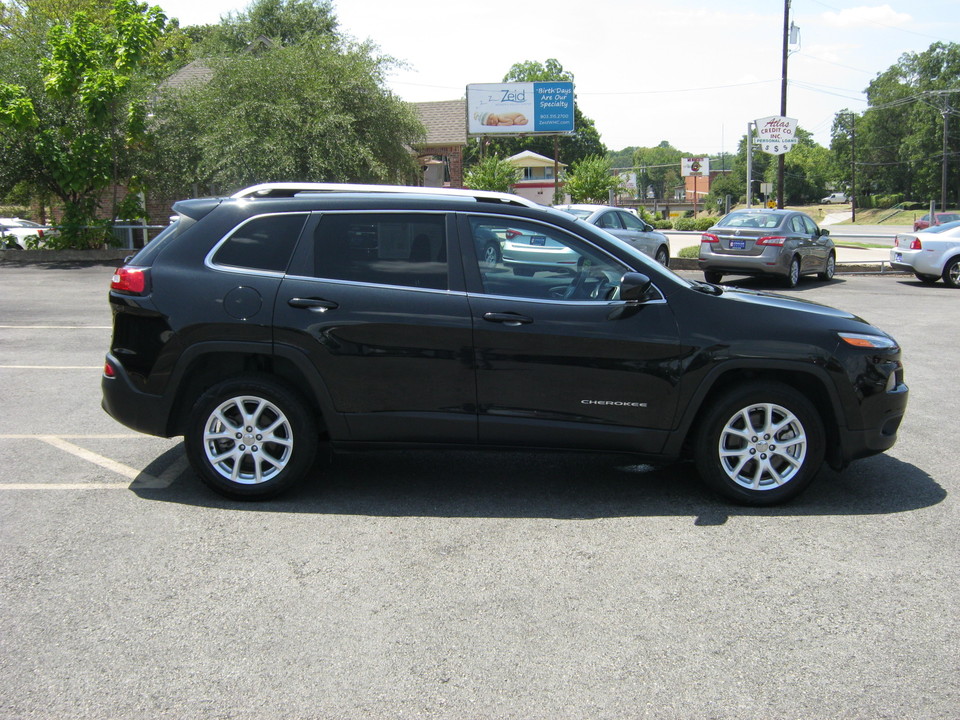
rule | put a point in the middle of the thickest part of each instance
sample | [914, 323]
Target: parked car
[780, 243]
[837, 197]
[15, 232]
[266, 326]
[938, 219]
[625, 225]
[930, 254]
[527, 252]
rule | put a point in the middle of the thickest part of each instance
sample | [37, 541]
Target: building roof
[531, 159]
[194, 73]
[445, 121]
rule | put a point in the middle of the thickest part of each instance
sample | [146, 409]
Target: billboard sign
[695, 167]
[776, 134]
[520, 108]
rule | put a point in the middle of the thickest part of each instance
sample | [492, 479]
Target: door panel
[366, 299]
[561, 362]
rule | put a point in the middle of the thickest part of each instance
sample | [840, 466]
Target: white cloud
[856, 17]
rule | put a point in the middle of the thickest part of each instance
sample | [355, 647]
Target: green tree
[69, 127]
[658, 167]
[808, 168]
[492, 173]
[899, 138]
[590, 180]
[314, 111]
[283, 22]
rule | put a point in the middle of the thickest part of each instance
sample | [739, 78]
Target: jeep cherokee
[293, 316]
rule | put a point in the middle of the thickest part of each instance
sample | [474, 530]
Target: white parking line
[51, 367]
[55, 327]
[137, 478]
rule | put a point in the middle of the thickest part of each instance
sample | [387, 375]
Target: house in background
[440, 157]
[538, 182]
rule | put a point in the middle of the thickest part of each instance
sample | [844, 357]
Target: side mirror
[647, 227]
[634, 286]
[824, 232]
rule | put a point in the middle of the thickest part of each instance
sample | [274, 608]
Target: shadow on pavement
[474, 484]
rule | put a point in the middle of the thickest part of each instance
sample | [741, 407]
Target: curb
[842, 268]
[39, 257]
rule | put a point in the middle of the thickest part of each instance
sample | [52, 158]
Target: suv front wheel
[250, 438]
[760, 445]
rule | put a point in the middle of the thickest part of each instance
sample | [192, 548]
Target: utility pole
[853, 167]
[749, 165]
[943, 172]
[781, 159]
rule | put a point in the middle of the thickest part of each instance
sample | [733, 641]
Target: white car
[930, 254]
[626, 226]
[14, 233]
[837, 197]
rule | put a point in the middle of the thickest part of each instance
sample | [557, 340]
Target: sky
[691, 72]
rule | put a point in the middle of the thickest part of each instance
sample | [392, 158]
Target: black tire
[829, 270]
[951, 273]
[927, 279]
[793, 275]
[762, 468]
[250, 438]
[712, 277]
[663, 257]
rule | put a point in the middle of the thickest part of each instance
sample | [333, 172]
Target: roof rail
[276, 190]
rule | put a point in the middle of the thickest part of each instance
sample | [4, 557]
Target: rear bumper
[738, 266]
[915, 261]
[137, 410]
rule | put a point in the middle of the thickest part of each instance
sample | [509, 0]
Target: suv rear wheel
[760, 445]
[250, 438]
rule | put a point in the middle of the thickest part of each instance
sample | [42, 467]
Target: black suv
[289, 317]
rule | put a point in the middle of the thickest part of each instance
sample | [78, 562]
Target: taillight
[511, 234]
[39, 233]
[108, 370]
[132, 280]
[709, 238]
[915, 244]
[771, 241]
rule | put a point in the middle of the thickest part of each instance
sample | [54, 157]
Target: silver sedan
[626, 226]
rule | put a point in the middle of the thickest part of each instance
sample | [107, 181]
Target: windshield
[942, 228]
[577, 212]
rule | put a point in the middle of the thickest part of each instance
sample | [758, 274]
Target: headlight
[864, 340]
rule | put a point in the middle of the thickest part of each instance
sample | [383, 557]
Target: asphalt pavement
[460, 585]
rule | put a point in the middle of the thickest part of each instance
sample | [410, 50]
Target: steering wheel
[576, 288]
[603, 289]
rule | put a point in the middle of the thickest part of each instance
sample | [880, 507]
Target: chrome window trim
[357, 283]
[559, 301]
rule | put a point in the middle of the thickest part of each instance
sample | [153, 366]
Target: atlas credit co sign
[544, 108]
[776, 134]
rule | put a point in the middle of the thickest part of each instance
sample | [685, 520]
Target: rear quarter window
[262, 243]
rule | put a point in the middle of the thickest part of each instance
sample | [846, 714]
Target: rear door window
[402, 249]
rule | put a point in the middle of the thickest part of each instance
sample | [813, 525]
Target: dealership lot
[462, 584]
